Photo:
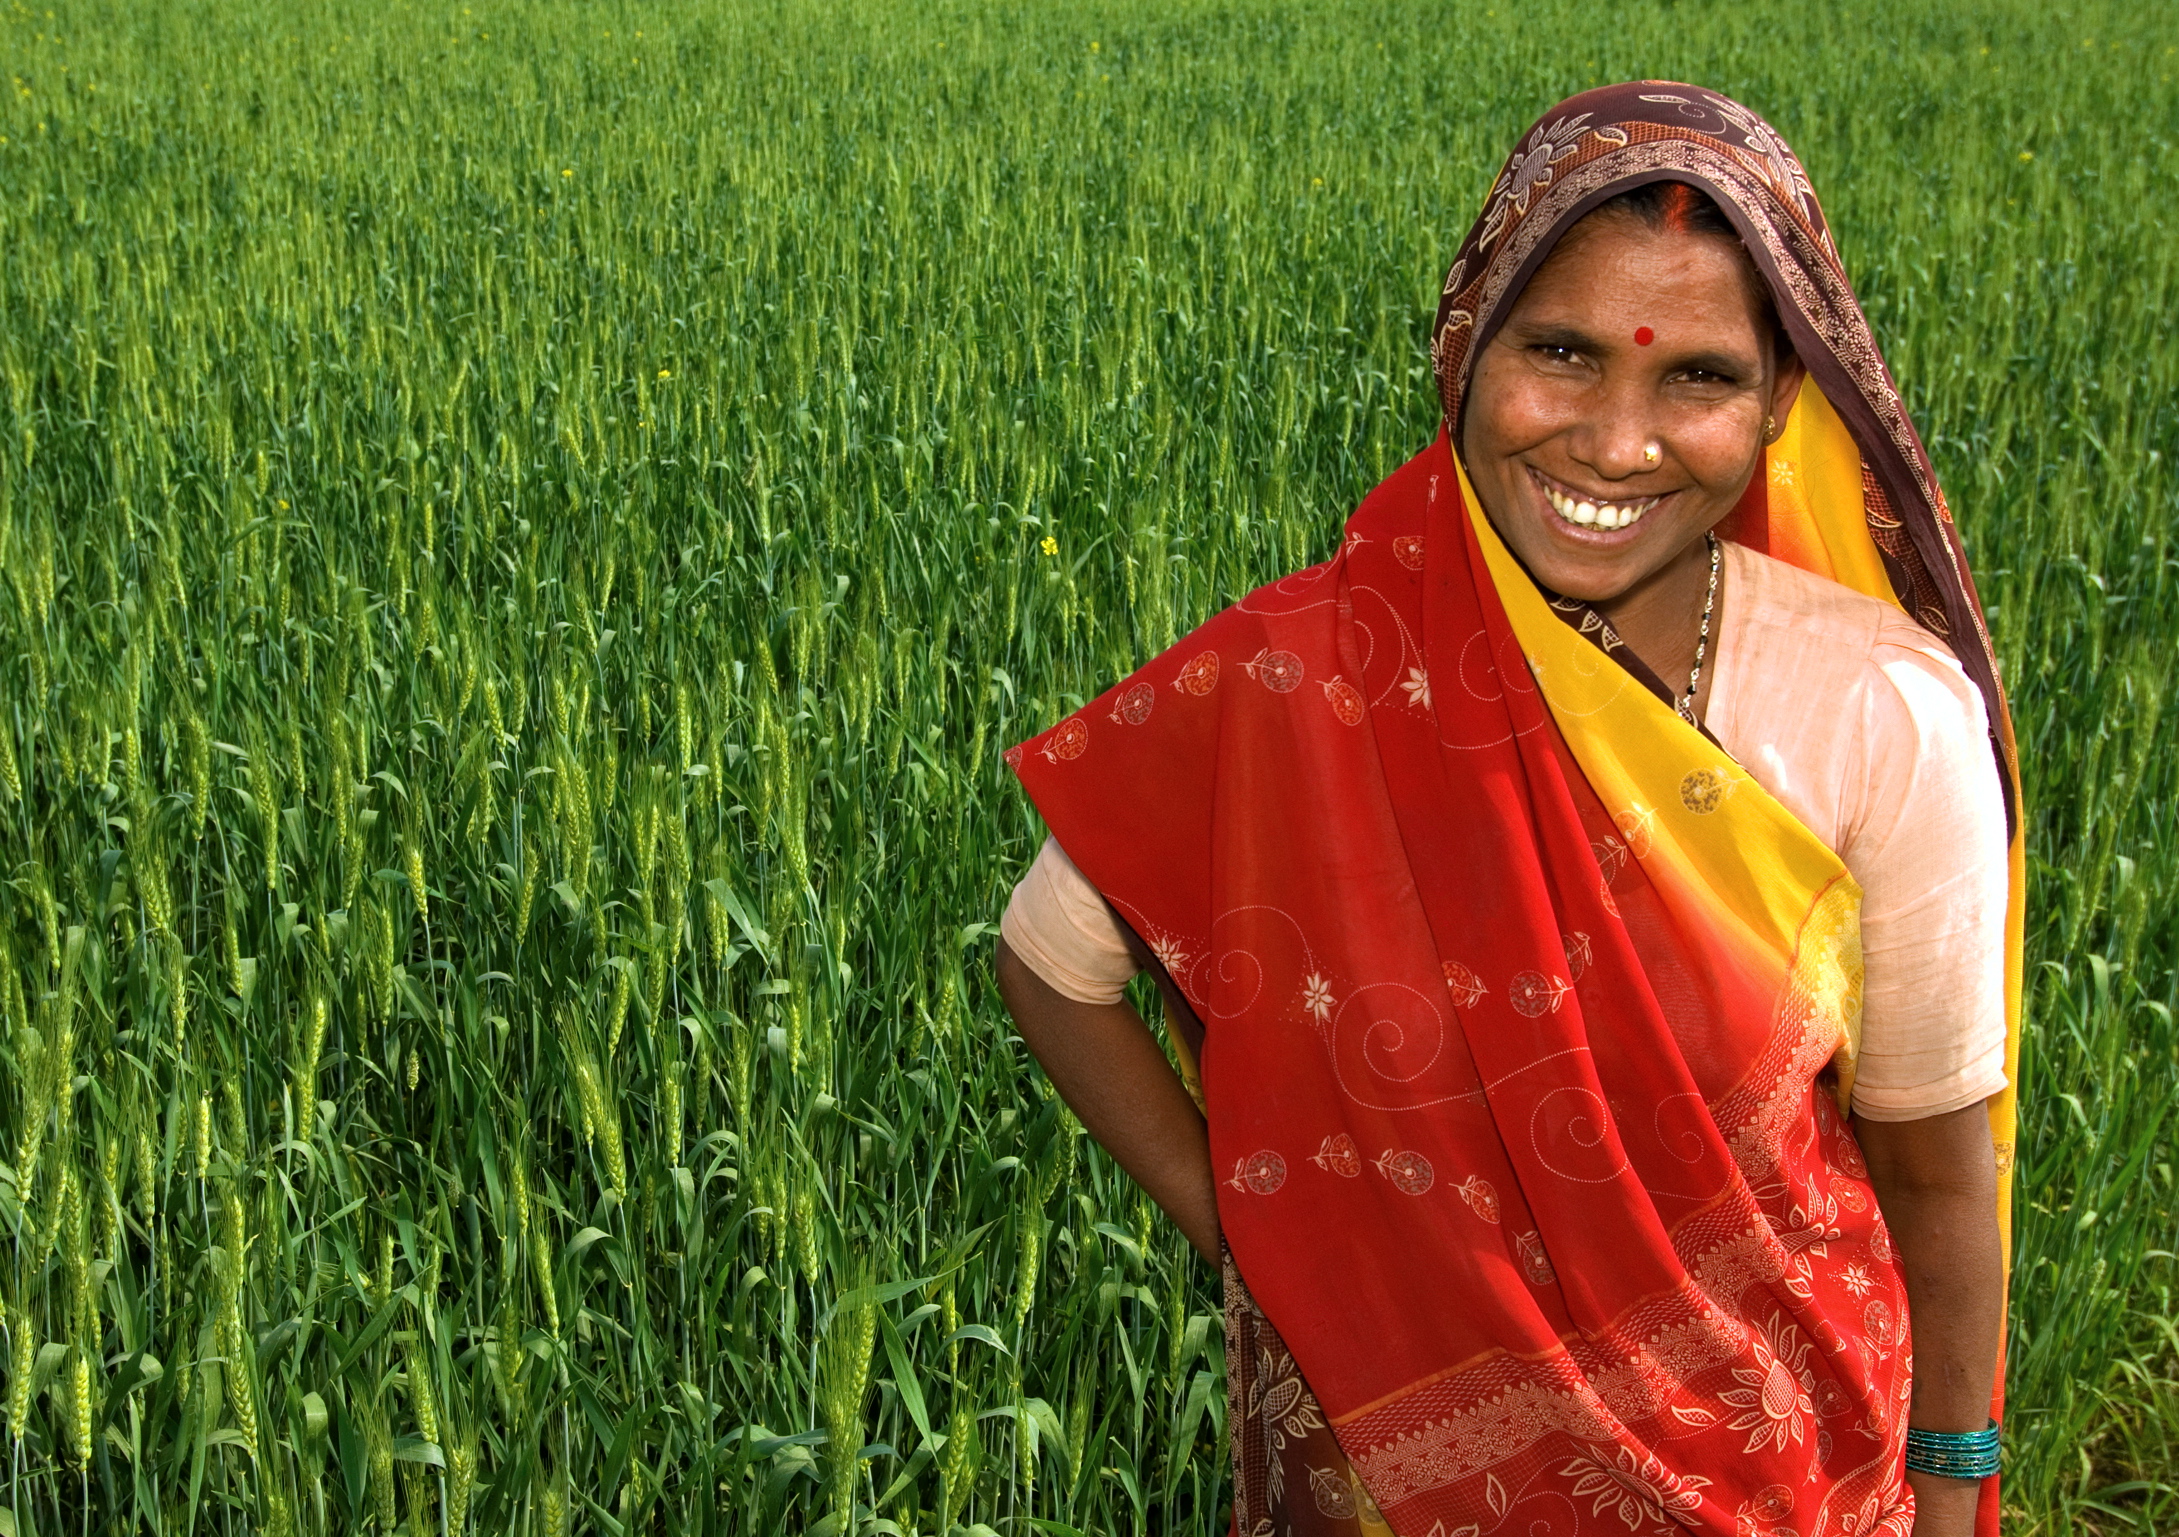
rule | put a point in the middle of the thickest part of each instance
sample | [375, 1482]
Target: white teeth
[1604, 515]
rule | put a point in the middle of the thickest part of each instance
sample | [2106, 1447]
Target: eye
[1552, 352]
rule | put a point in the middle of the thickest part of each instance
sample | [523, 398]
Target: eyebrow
[1553, 334]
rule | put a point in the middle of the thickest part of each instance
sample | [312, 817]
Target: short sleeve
[1062, 930]
[1928, 847]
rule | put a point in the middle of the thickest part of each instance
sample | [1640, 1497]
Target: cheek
[1519, 412]
[1717, 446]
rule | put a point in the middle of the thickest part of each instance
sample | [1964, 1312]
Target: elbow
[1935, 1190]
[1937, 1181]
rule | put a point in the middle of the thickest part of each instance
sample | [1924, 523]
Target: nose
[1622, 440]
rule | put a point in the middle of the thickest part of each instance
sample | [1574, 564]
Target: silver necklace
[1702, 640]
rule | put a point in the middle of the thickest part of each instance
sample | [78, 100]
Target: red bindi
[1643, 336]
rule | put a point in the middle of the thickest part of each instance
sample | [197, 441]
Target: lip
[1575, 533]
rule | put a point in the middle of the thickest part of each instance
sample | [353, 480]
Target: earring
[1651, 453]
[1770, 429]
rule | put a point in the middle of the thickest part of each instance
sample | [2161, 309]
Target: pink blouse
[1862, 725]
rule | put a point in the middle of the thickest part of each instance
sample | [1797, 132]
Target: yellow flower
[2027, 154]
[1094, 47]
[570, 171]
[283, 506]
[1050, 546]
[665, 373]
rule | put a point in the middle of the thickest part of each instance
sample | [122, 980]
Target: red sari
[1527, 1017]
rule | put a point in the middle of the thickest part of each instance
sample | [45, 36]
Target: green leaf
[766, 1445]
[914, 1466]
[133, 1372]
[417, 1449]
[1191, 1415]
[1123, 1238]
[751, 930]
[276, 1340]
[981, 1334]
[584, 1240]
[891, 1291]
[381, 1321]
[905, 1380]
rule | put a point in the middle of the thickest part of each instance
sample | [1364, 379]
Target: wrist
[1943, 1507]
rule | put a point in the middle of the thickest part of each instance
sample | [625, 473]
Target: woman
[1589, 899]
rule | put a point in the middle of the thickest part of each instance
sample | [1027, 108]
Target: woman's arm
[1112, 1073]
[1936, 1183]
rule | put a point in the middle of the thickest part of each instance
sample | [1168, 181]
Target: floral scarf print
[1527, 1018]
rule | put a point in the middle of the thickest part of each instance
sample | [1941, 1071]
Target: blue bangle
[1970, 1455]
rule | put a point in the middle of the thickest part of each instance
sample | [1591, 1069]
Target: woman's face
[1626, 340]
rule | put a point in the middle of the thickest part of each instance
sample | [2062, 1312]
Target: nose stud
[1651, 453]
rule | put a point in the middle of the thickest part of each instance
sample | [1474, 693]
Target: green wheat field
[526, 528]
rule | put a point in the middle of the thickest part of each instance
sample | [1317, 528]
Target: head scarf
[1527, 1018]
[1592, 148]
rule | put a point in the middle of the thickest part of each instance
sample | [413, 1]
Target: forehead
[1612, 272]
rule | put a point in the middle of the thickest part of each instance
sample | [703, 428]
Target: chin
[1582, 586]
[1577, 564]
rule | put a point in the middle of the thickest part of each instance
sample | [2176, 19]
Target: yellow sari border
[1730, 862]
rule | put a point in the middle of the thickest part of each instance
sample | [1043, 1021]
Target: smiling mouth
[1584, 512]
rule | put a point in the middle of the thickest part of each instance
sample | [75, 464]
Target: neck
[1660, 617]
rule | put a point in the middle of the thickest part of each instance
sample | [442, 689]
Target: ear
[1785, 387]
